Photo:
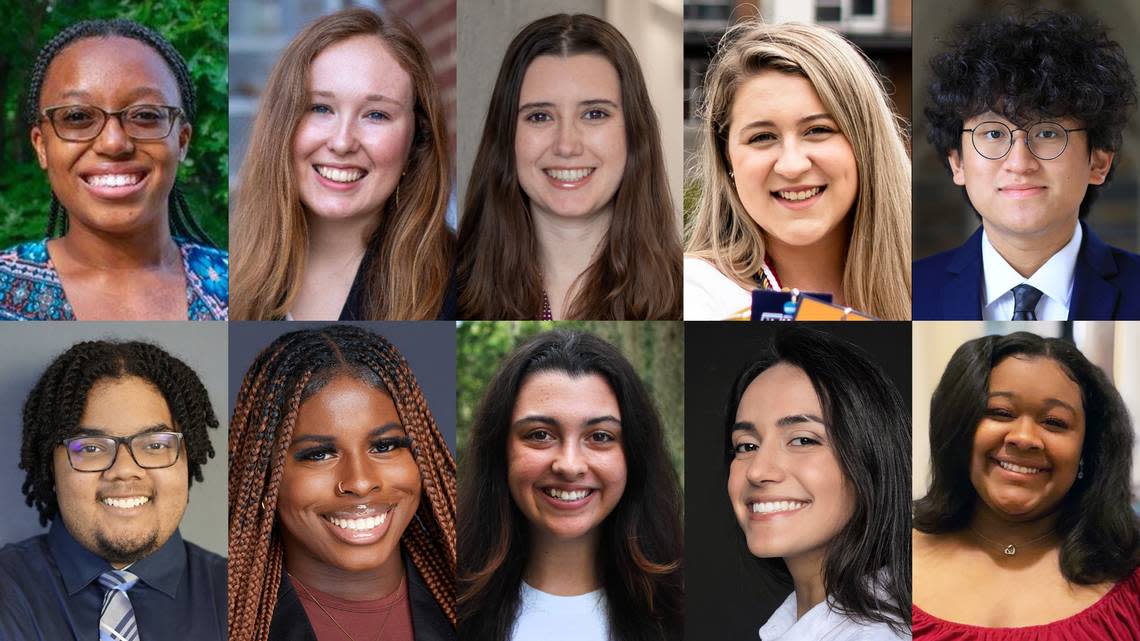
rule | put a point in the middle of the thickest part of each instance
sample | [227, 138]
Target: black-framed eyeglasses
[150, 450]
[80, 123]
[1045, 140]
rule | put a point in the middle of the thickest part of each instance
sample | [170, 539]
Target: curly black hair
[1028, 67]
[182, 223]
[55, 405]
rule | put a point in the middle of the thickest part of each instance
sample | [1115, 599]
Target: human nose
[792, 161]
[124, 466]
[569, 461]
[113, 140]
[1023, 434]
[1020, 158]
[344, 140]
[357, 476]
[569, 142]
[765, 466]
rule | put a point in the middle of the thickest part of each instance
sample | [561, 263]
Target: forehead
[124, 406]
[774, 95]
[570, 79]
[779, 391]
[345, 407]
[561, 395]
[109, 71]
[1035, 379]
[358, 67]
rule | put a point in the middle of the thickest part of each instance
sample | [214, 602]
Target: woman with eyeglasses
[111, 108]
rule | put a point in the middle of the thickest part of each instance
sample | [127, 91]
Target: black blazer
[429, 623]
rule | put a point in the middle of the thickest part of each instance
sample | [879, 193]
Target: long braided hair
[284, 375]
[182, 223]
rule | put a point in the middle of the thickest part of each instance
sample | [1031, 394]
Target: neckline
[1069, 620]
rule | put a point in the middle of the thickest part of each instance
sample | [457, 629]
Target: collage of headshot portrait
[533, 320]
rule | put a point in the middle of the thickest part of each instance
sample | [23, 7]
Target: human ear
[38, 143]
[184, 140]
[1100, 161]
[959, 174]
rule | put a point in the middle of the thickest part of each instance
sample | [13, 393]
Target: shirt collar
[1054, 278]
[79, 567]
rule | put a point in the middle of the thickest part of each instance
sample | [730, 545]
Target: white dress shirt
[710, 295]
[821, 623]
[1055, 280]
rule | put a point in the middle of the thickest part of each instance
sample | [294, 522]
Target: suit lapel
[962, 298]
[1094, 297]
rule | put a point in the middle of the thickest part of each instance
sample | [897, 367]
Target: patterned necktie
[1025, 299]
[117, 621]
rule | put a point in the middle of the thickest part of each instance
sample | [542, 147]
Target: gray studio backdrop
[28, 348]
[428, 346]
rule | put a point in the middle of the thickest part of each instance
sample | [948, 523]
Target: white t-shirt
[821, 623]
[546, 617]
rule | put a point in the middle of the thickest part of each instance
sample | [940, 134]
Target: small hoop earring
[1081, 469]
[404, 173]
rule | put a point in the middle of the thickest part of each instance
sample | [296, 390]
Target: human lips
[1021, 191]
[798, 196]
[766, 507]
[361, 525]
[340, 173]
[1019, 468]
[115, 181]
[569, 177]
[125, 502]
[567, 497]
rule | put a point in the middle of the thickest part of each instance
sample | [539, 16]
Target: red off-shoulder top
[1115, 617]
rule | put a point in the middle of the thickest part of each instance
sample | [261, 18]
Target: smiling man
[113, 435]
[1028, 113]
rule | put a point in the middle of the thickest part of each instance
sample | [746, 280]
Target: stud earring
[1081, 469]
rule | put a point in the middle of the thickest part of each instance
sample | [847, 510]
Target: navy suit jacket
[948, 286]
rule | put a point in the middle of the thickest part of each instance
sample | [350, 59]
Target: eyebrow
[593, 102]
[1049, 402]
[324, 439]
[372, 97]
[132, 95]
[89, 430]
[768, 123]
[553, 422]
[786, 421]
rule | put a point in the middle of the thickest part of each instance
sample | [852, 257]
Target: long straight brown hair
[637, 273]
[410, 252]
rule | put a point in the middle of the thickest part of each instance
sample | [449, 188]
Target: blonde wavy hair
[876, 274]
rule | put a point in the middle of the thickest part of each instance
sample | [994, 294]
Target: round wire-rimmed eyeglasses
[1045, 140]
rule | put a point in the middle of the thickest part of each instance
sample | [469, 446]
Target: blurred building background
[260, 30]
[881, 28]
[943, 219]
[1112, 346]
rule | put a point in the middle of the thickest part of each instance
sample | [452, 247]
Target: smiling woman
[803, 175]
[111, 109]
[568, 213]
[340, 212]
[572, 526]
[342, 508]
[1028, 519]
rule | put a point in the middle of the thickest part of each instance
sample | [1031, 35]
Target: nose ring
[340, 490]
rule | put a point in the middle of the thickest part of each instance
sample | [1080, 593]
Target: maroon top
[1115, 617]
[388, 617]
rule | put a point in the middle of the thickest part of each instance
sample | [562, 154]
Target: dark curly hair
[182, 223]
[55, 405]
[1028, 67]
[1100, 534]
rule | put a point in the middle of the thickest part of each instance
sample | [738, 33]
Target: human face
[565, 463]
[347, 434]
[352, 144]
[794, 171]
[111, 73]
[1021, 196]
[570, 135]
[1027, 447]
[787, 490]
[125, 512]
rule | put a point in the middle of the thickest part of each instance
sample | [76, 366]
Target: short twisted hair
[55, 406]
[1044, 64]
[287, 373]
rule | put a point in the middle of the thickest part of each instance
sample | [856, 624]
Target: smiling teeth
[340, 175]
[569, 175]
[1018, 468]
[113, 180]
[127, 503]
[359, 524]
[799, 195]
[771, 507]
[567, 495]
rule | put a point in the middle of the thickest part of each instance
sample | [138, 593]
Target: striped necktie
[117, 621]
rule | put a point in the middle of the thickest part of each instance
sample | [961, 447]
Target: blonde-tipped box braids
[260, 435]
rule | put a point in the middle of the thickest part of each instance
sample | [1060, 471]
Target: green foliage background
[655, 348]
[198, 29]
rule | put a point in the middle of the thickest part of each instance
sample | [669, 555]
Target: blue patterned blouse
[30, 288]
